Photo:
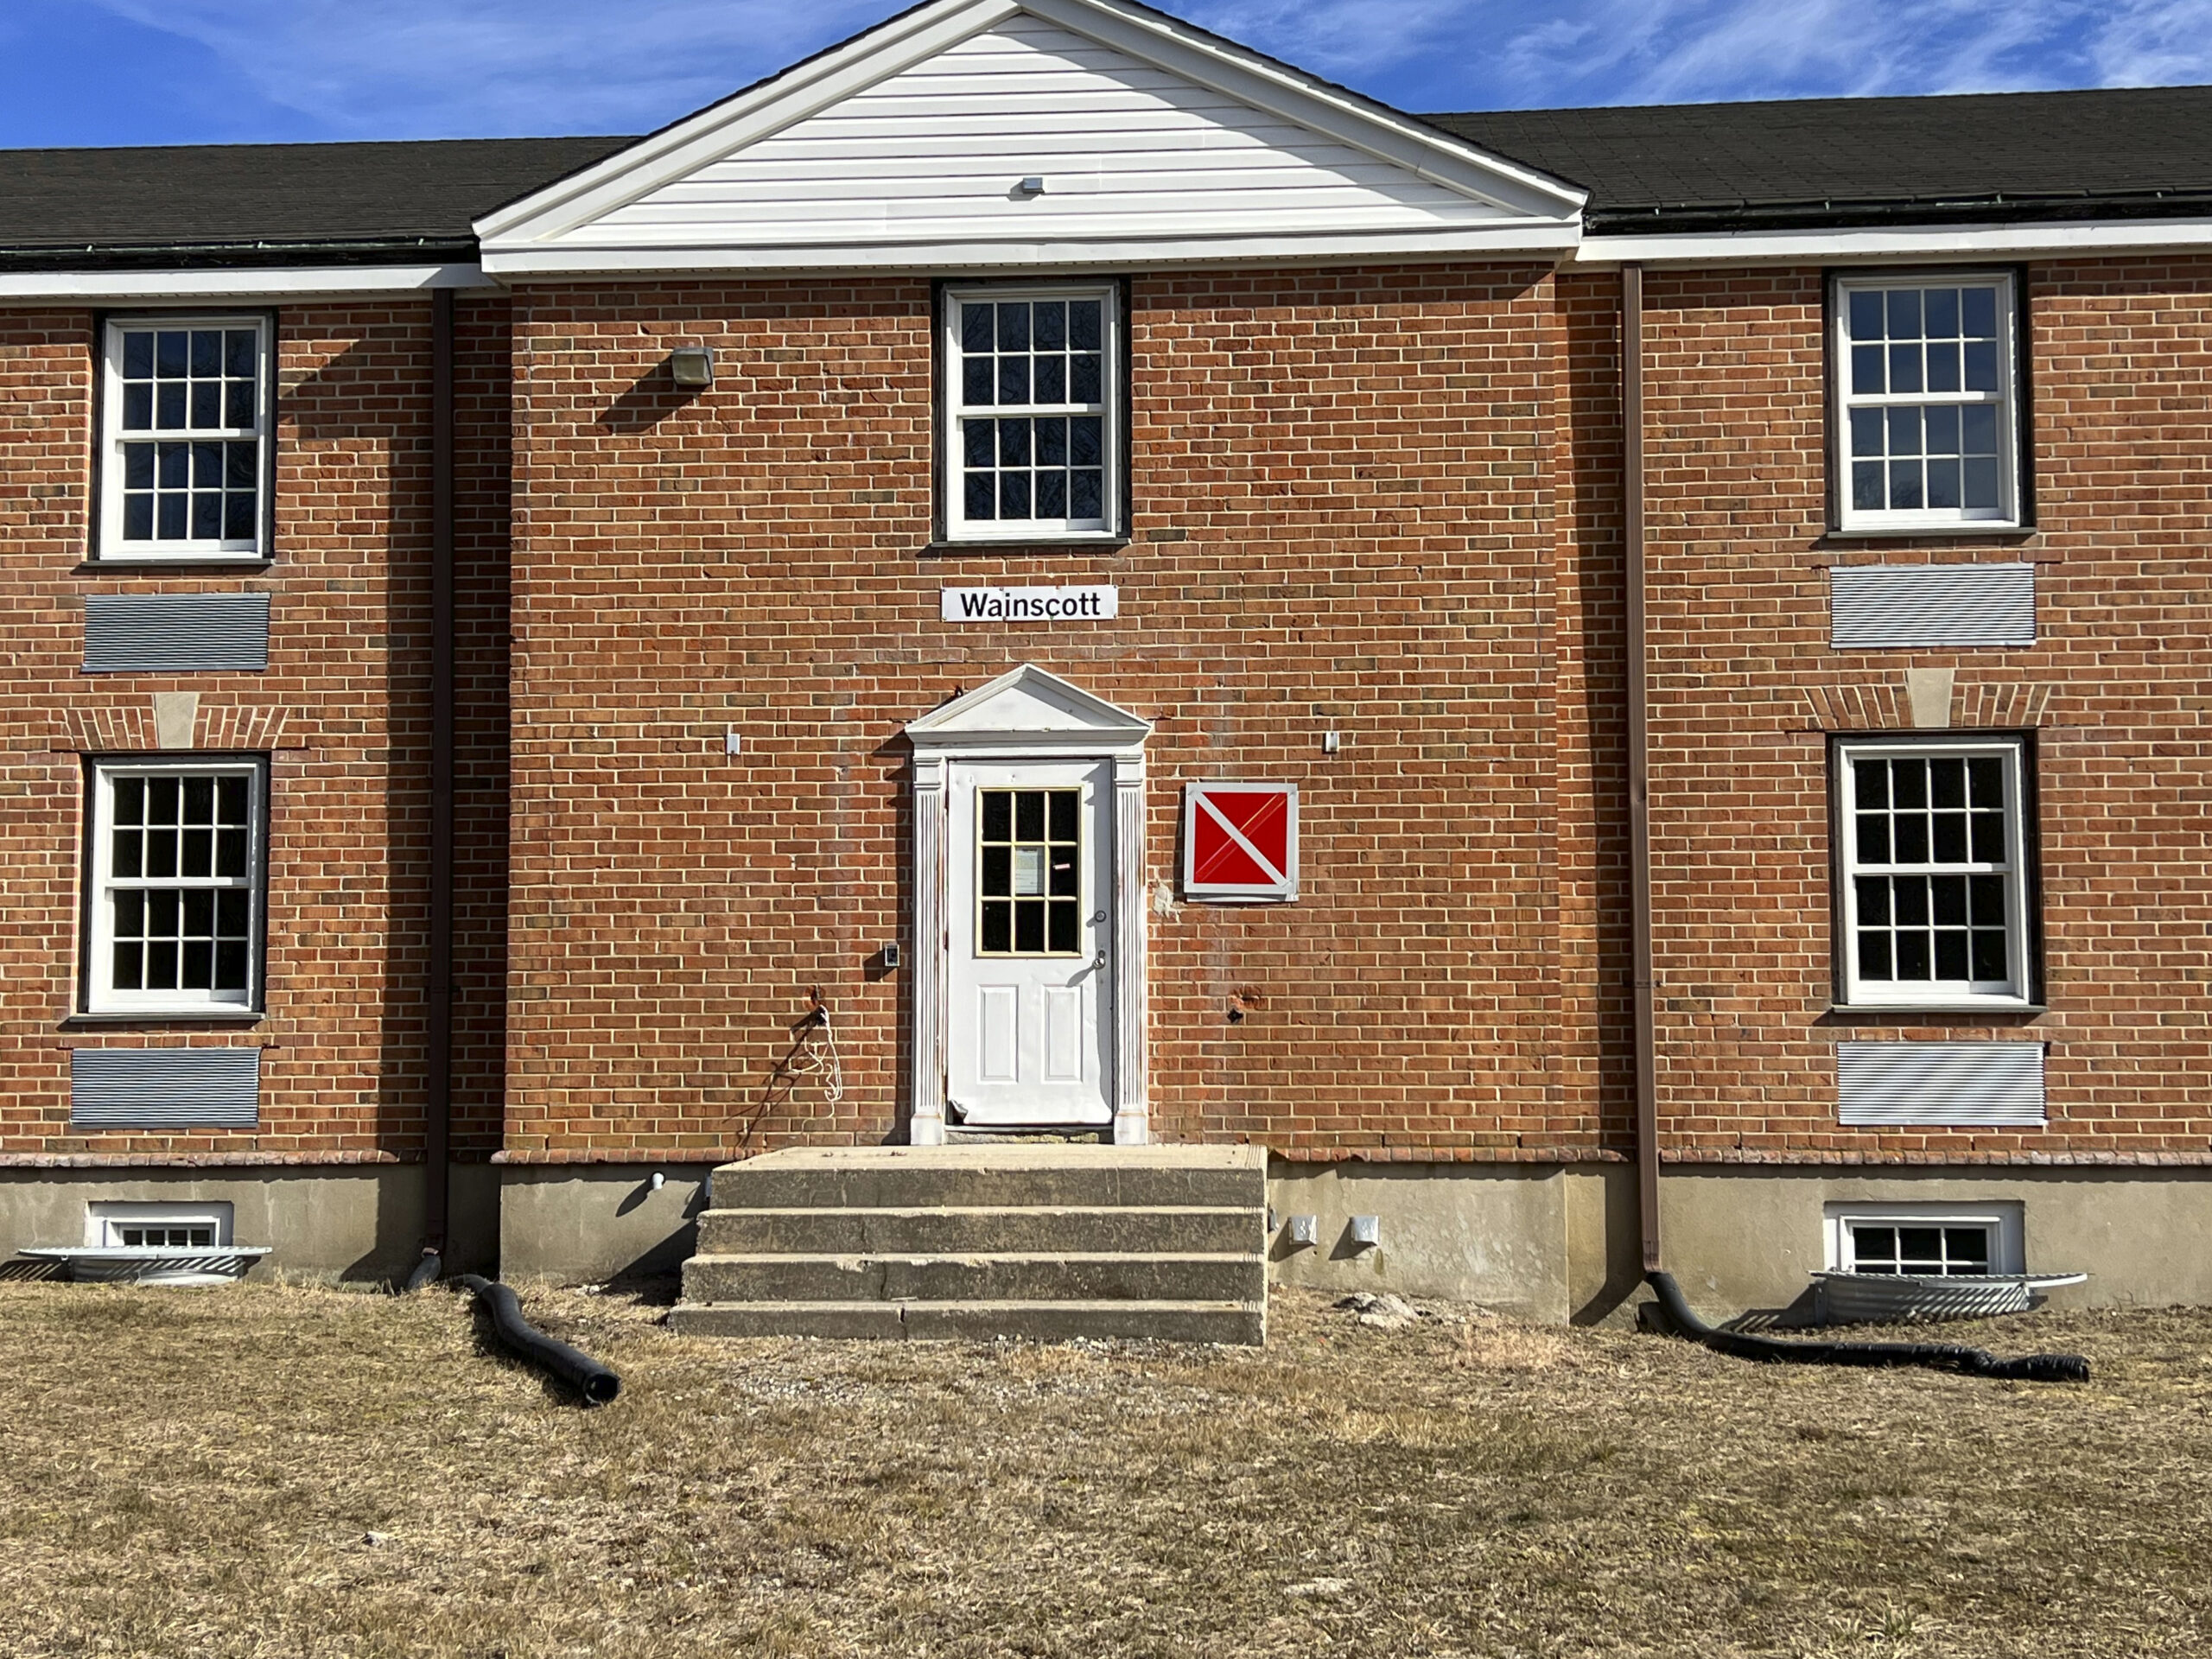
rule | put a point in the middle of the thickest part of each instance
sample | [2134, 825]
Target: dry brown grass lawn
[273, 1471]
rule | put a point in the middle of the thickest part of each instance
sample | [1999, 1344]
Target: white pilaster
[1132, 1120]
[931, 966]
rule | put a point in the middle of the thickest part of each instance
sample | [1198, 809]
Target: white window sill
[142, 1016]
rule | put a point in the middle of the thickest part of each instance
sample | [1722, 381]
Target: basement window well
[157, 1226]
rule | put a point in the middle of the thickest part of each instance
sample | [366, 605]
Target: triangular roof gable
[1155, 142]
[1023, 704]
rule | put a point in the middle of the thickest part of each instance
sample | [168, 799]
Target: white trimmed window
[1925, 1241]
[138, 1226]
[174, 887]
[184, 439]
[1930, 412]
[1934, 890]
[1032, 421]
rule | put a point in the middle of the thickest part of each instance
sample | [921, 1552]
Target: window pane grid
[179, 888]
[1921, 1250]
[1926, 397]
[1933, 890]
[188, 444]
[1029, 886]
[1030, 378]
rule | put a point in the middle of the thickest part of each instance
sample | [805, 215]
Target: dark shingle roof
[268, 202]
[1828, 160]
[1836, 161]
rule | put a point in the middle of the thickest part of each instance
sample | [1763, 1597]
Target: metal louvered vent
[164, 1088]
[1966, 1084]
[177, 633]
[1899, 607]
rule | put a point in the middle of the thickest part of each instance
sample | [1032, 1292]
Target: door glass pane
[1029, 872]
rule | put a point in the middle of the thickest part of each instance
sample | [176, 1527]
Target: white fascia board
[809, 88]
[272, 284]
[1548, 240]
[1379, 131]
[717, 130]
[1874, 244]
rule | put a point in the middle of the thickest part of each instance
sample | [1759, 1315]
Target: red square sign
[1240, 843]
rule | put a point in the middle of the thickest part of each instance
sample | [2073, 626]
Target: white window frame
[109, 545]
[2008, 513]
[951, 442]
[101, 883]
[2015, 990]
[2005, 1221]
[105, 1218]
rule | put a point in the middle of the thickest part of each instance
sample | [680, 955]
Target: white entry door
[1028, 884]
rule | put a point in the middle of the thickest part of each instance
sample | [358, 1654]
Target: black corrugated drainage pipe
[1931, 1355]
[572, 1366]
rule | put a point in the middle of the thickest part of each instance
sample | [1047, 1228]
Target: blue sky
[120, 71]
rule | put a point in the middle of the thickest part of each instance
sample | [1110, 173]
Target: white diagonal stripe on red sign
[1241, 839]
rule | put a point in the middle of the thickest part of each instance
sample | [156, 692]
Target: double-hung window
[1032, 424]
[174, 890]
[1933, 894]
[1928, 402]
[185, 454]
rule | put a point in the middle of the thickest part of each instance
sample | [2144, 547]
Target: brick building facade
[1366, 500]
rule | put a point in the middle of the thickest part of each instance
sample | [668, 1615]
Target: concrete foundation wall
[1493, 1234]
[588, 1223]
[343, 1223]
[1739, 1239]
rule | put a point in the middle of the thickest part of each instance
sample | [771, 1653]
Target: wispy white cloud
[435, 67]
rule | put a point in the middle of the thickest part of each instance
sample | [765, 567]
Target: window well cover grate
[164, 1088]
[1902, 606]
[1967, 1085]
[177, 633]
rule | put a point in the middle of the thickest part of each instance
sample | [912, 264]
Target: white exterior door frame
[1028, 714]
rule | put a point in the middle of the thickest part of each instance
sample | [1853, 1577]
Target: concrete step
[983, 1229]
[1003, 1276]
[924, 1178]
[1242, 1323]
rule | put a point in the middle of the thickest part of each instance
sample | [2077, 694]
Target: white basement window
[185, 412]
[1933, 884]
[1925, 1241]
[137, 1226]
[1928, 402]
[1032, 422]
[174, 887]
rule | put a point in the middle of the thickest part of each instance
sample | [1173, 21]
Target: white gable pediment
[1028, 707]
[1153, 141]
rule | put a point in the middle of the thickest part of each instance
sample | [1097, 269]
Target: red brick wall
[344, 706]
[1743, 686]
[1345, 517]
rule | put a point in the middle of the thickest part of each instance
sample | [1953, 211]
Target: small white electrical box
[1304, 1229]
[1367, 1230]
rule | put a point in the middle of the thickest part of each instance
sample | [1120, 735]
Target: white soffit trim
[1875, 244]
[1150, 128]
[274, 282]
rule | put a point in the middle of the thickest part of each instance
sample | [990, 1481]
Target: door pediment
[1029, 711]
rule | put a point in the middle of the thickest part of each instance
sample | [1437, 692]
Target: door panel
[1029, 882]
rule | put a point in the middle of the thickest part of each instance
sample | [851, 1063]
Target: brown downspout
[1639, 767]
[439, 1012]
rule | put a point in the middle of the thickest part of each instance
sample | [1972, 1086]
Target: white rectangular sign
[1031, 603]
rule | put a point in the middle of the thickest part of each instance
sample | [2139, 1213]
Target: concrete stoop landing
[1052, 1242]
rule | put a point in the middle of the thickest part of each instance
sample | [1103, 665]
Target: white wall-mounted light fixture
[731, 742]
[1366, 1229]
[1332, 742]
[691, 366]
[1032, 185]
[1304, 1229]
